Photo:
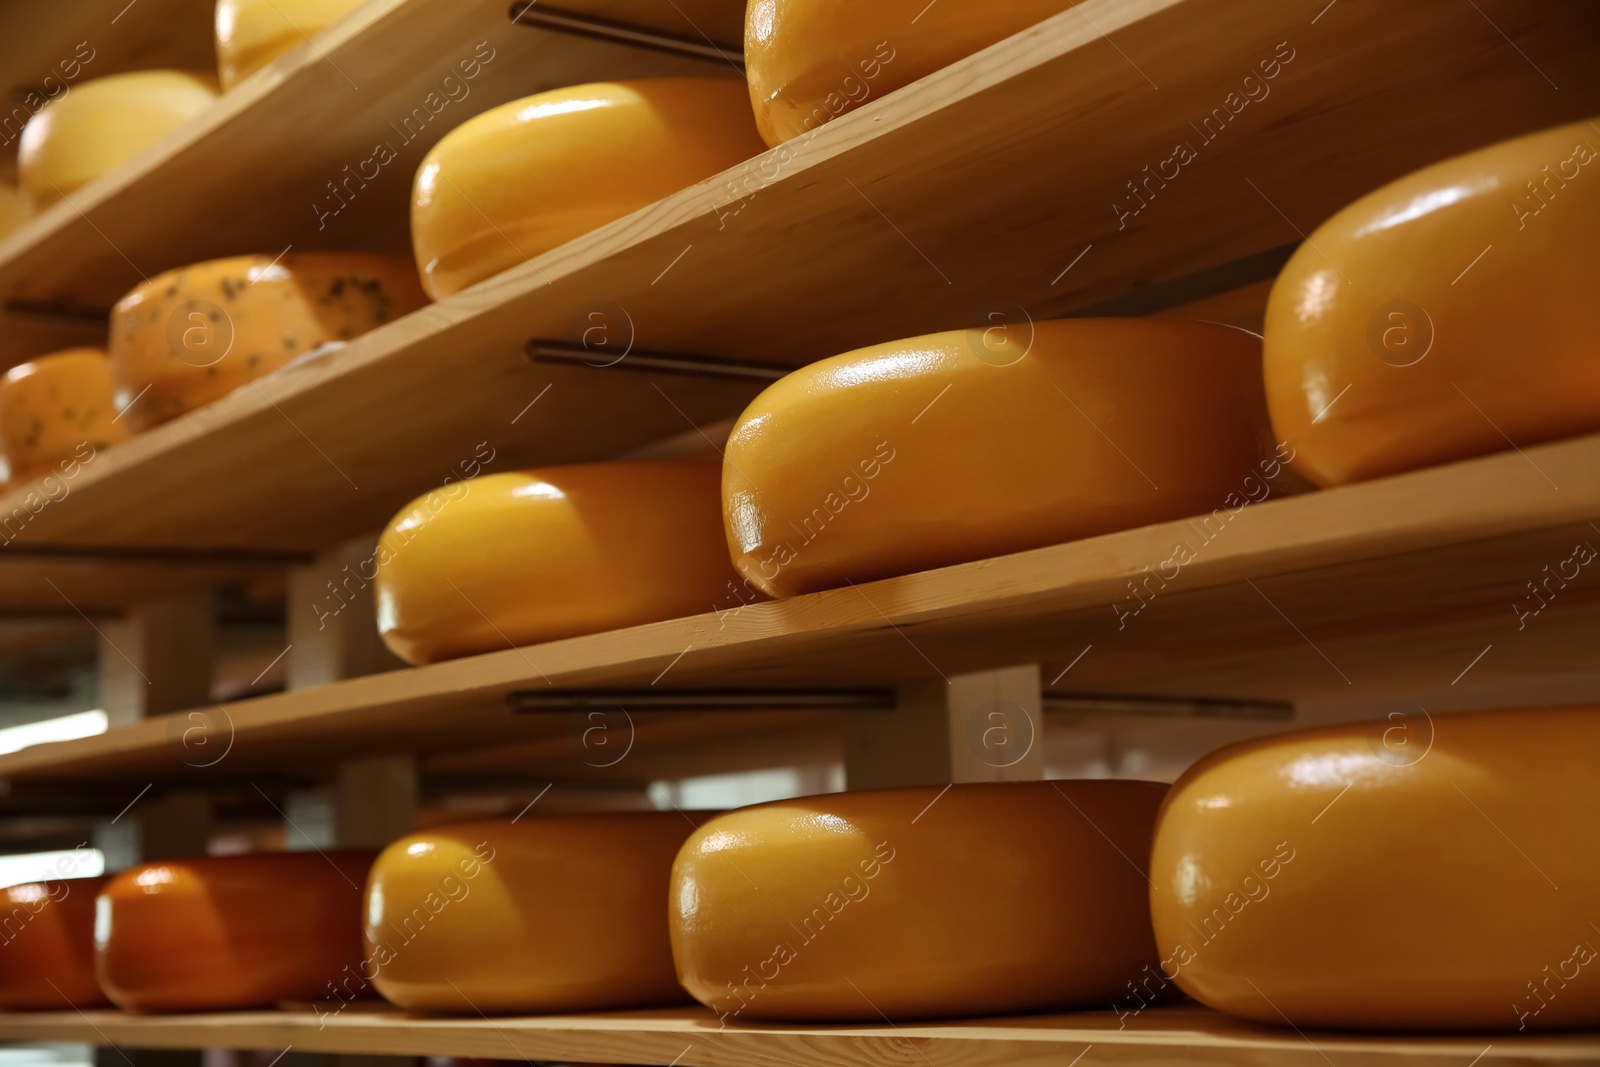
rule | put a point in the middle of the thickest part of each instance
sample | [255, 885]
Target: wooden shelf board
[36, 36]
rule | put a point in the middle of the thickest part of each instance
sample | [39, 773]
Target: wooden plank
[37, 36]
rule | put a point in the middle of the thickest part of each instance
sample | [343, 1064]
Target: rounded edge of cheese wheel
[527, 176]
[56, 412]
[47, 955]
[1395, 874]
[1443, 314]
[231, 931]
[553, 913]
[502, 560]
[922, 902]
[101, 123]
[252, 33]
[192, 335]
[966, 445]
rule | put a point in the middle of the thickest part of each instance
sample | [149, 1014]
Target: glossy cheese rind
[1443, 315]
[961, 446]
[47, 946]
[810, 61]
[513, 559]
[1411, 873]
[522, 178]
[98, 124]
[545, 914]
[252, 33]
[192, 335]
[230, 932]
[56, 410]
[905, 903]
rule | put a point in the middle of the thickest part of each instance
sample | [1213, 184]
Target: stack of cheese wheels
[867, 465]
[86, 132]
[12, 211]
[513, 559]
[56, 411]
[545, 914]
[47, 952]
[252, 33]
[231, 931]
[527, 176]
[810, 61]
[1438, 317]
[917, 903]
[192, 335]
[1411, 873]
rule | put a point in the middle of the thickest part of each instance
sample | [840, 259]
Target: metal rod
[50, 309]
[543, 700]
[669, 362]
[1168, 707]
[533, 15]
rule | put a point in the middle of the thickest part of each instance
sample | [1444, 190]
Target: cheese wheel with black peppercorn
[252, 33]
[926, 902]
[187, 337]
[57, 410]
[47, 954]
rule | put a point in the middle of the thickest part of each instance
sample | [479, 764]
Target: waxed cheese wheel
[528, 556]
[917, 903]
[1411, 873]
[1441, 316]
[230, 931]
[810, 61]
[522, 178]
[47, 946]
[12, 210]
[960, 446]
[192, 335]
[541, 914]
[100, 123]
[252, 33]
[57, 410]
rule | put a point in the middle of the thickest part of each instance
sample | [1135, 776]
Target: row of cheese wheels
[1402, 874]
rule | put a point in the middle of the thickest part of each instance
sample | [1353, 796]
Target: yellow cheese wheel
[100, 123]
[56, 411]
[917, 903]
[252, 33]
[192, 335]
[810, 61]
[542, 914]
[527, 176]
[1412, 873]
[1440, 317]
[518, 558]
[959, 446]
[12, 210]
[47, 946]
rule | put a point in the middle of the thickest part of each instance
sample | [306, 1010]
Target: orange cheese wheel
[917, 903]
[99, 124]
[230, 931]
[47, 946]
[1412, 873]
[252, 33]
[544, 914]
[959, 446]
[192, 335]
[527, 176]
[1388, 332]
[57, 410]
[810, 61]
[514, 559]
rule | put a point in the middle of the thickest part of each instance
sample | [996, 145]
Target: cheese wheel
[252, 33]
[192, 335]
[544, 914]
[917, 903]
[12, 211]
[959, 446]
[1388, 333]
[230, 931]
[56, 411]
[527, 176]
[1413, 873]
[47, 946]
[810, 61]
[98, 124]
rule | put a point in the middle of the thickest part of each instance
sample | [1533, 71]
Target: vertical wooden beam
[157, 658]
[333, 627]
